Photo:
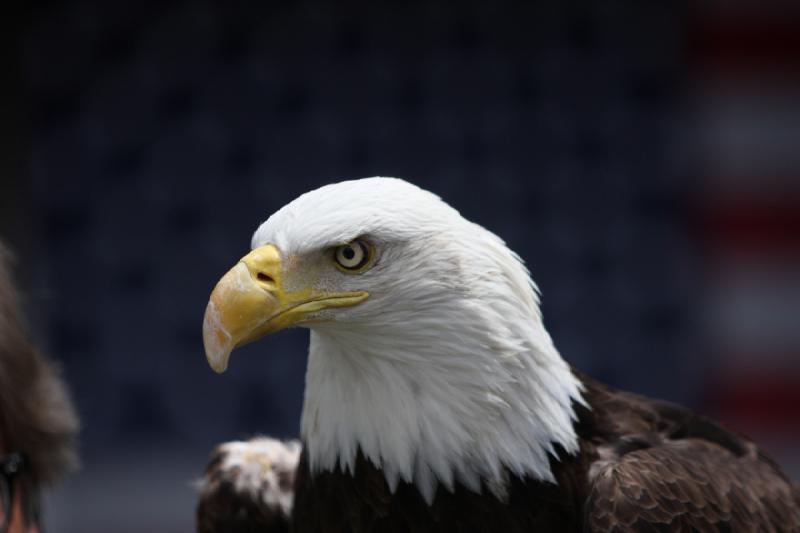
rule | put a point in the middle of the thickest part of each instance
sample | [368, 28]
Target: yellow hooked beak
[251, 301]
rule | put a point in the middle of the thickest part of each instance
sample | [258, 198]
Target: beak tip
[220, 367]
[218, 358]
[217, 341]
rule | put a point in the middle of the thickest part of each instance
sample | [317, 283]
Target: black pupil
[348, 253]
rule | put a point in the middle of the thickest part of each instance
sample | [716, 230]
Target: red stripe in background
[728, 42]
[757, 401]
[751, 223]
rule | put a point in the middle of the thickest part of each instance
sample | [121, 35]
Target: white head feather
[445, 373]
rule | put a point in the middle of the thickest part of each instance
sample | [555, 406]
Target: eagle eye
[353, 256]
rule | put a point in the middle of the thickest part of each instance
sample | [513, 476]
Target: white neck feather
[461, 385]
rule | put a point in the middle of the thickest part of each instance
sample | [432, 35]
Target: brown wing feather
[656, 466]
[689, 485]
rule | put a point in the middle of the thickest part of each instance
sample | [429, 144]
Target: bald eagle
[435, 399]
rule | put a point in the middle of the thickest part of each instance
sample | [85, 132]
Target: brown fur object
[37, 418]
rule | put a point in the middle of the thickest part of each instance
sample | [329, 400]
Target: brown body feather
[643, 465]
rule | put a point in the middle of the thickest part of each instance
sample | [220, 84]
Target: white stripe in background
[751, 133]
[752, 310]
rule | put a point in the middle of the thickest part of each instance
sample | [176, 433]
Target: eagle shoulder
[660, 467]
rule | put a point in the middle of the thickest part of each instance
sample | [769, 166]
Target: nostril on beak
[265, 278]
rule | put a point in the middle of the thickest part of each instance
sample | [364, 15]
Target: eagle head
[427, 354]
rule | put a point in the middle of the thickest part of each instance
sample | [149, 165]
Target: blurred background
[642, 157]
